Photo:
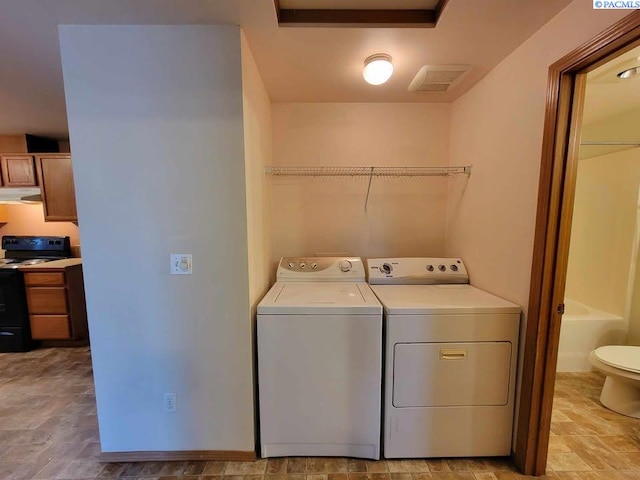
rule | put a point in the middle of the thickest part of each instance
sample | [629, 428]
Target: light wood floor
[48, 430]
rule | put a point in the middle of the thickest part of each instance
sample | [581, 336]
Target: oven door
[15, 334]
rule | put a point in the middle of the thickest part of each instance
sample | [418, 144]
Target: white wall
[405, 217]
[497, 126]
[155, 117]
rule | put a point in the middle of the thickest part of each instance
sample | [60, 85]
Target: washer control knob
[386, 268]
[345, 266]
[454, 267]
[430, 268]
[314, 265]
[442, 268]
[302, 265]
[290, 265]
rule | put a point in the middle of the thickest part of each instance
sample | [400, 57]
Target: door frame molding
[556, 190]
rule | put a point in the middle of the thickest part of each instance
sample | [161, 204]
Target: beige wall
[497, 126]
[405, 217]
[29, 220]
[256, 108]
[603, 230]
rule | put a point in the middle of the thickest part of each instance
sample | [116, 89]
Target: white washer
[450, 367]
[320, 361]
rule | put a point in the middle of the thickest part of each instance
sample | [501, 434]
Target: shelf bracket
[366, 200]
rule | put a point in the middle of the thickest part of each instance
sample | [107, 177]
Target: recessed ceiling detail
[352, 13]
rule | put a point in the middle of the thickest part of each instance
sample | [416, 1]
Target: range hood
[20, 195]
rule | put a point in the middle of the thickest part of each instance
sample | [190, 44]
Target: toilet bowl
[621, 365]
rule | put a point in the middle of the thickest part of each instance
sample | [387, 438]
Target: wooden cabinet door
[18, 171]
[55, 177]
[47, 300]
[50, 327]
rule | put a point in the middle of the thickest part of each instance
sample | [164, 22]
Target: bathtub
[584, 328]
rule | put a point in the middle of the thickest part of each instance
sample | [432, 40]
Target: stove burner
[15, 263]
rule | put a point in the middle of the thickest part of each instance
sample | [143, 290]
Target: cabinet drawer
[44, 279]
[50, 327]
[47, 300]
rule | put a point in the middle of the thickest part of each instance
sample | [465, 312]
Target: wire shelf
[368, 171]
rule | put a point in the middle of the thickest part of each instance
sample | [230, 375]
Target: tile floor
[48, 430]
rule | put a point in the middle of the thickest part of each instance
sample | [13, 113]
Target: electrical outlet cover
[181, 264]
[169, 402]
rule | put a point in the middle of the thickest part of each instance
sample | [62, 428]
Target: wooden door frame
[556, 190]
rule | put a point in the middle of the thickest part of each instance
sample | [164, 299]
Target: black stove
[26, 250]
[15, 334]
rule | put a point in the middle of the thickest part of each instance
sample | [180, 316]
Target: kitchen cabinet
[27, 143]
[55, 177]
[56, 303]
[18, 171]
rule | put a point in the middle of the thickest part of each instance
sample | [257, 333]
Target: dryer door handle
[453, 354]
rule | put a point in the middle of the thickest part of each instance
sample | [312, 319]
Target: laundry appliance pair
[325, 336]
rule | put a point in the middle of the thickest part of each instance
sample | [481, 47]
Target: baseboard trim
[180, 455]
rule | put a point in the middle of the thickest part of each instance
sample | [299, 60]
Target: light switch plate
[181, 264]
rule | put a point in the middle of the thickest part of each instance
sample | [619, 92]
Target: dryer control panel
[321, 269]
[416, 271]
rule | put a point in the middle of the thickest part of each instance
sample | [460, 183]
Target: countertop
[56, 264]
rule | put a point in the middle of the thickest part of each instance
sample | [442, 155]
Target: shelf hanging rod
[610, 143]
[334, 171]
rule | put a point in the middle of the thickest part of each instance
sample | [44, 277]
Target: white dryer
[451, 355]
[320, 361]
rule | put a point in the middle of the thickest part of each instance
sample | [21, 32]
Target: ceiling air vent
[438, 78]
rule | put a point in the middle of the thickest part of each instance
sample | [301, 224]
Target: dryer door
[451, 374]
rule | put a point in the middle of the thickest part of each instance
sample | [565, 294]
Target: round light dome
[629, 73]
[377, 69]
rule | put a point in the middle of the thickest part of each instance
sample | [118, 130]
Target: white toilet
[621, 364]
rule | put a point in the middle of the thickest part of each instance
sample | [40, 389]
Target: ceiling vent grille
[438, 78]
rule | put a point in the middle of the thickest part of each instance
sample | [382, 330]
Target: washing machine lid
[625, 357]
[440, 299]
[320, 298]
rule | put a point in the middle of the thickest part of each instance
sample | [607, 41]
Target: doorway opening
[567, 87]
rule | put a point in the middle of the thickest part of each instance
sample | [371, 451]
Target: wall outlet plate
[181, 264]
[169, 402]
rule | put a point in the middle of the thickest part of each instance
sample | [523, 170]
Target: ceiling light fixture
[629, 73]
[377, 68]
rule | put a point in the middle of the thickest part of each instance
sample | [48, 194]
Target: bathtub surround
[602, 273]
[585, 328]
[603, 231]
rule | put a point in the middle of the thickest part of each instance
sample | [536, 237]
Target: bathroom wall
[404, 217]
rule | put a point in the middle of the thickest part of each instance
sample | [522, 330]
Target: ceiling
[609, 96]
[612, 107]
[297, 64]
